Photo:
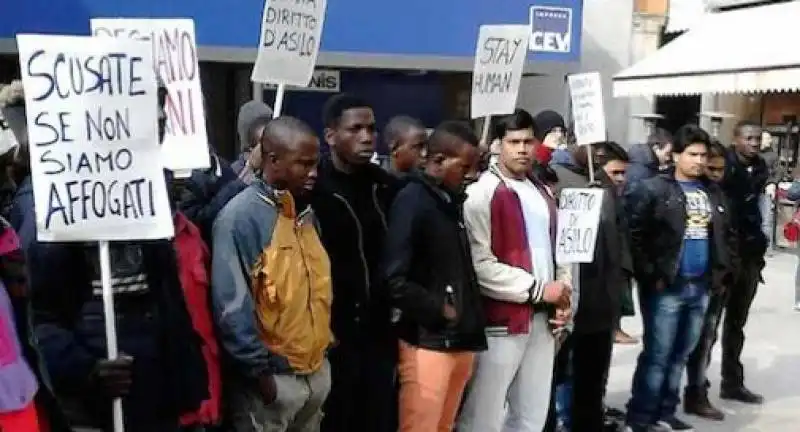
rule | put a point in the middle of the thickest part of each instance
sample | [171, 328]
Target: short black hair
[659, 138]
[397, 126]
[279, 132]
[690, 134]
[337, 104]
[737, 130]
[257, 123]
[716, 149]
[519, 120]
[440, 141]
[613, 151]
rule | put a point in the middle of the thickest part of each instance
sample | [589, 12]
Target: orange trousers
[431, 386]
[24, 420]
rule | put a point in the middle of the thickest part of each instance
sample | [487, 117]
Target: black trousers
[363, 393]
[737, 309]
[591, 359]
[697, 365]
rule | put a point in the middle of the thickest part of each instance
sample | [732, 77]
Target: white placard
[7, 139]
[291, 31]
[174, 52]
[586, 91]
[92, 125]
[499, 59]
[578, 219]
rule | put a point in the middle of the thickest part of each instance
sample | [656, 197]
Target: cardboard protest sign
[95, 159]
[578, 219]
[499, 59]
[291, 31]
[174, 53]
[586, 92]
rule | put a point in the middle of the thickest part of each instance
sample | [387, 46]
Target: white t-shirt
[536, 213]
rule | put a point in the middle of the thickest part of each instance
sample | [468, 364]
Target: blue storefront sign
[410, 28]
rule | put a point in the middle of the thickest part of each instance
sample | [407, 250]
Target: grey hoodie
[248, 113]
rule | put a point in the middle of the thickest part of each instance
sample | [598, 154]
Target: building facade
[412, 57]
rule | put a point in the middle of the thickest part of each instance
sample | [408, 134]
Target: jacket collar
[280, 199]
[436, 189]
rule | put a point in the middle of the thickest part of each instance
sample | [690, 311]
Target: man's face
[455, 172]
[353, 139]
[407, 152]
[296, 169]
[254, 158]
[692, 162]
[516, 151]
[615, 169]
[663, 153]
[748, 141]
[715, 168]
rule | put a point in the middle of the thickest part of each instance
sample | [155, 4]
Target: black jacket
[656, 209]
[351, 209]
[743, 186]
[601, 281]
[426, 251]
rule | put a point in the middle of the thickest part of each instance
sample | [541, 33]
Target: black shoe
[676, 424]
[615, 413]
[741, 394]
[697, 403]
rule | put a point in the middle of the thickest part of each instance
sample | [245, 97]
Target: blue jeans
[673, 322]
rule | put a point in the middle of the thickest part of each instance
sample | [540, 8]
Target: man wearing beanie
[253, 115]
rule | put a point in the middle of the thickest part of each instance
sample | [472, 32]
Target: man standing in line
[601, 283]
[272, 289]
[429, 270]
[405, 138]
[745, 178]
[511, 222]
[650, 158]
[680, 244]
[351, 199]
[695, 398]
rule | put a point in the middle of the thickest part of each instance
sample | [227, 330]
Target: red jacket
[496, 226]
[194, 261]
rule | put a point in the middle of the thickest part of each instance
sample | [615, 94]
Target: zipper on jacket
[378, 207]
[297, 226]
[360, 233]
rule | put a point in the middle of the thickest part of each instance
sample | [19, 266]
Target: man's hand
[561, 318]
[557, 293]
[114, 377]
[449, 312]
[268, 388]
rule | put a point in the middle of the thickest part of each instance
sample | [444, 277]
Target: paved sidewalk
[771, 357]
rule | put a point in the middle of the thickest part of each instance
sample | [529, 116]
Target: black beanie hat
[546, 121]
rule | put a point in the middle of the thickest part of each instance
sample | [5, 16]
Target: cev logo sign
[551, 29]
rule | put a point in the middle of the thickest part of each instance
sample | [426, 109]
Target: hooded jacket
[600, 282]
[248, 114]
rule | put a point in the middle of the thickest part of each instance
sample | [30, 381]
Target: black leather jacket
[426, 252]
[656, 209]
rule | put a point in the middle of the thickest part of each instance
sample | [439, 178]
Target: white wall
[606, 48]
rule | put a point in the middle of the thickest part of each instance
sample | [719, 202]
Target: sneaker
[622, 338]
[741, 394]
[647, 428]
[676, 424]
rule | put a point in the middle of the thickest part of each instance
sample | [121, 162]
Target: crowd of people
[311, 290]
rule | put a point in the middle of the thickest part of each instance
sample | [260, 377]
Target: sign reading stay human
[578, 219]
[499, 58]
[586, 93]
[291, 31]
[96, 164]
[174, 53]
